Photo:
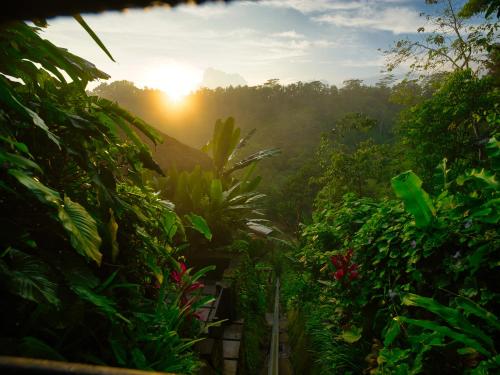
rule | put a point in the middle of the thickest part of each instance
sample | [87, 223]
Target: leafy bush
[87, 246]
[444, 248]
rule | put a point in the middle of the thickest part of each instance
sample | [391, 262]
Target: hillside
[290, 117]
[172, 153]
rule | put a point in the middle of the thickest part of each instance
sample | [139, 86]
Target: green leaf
[104, 304]
[81, 228]
[202, 272]
[43, 193]
[169, 223]
[487, 178]
[198, 223]
[216, 193]
[263, 154]
[407, 187]
[28, 278]
[392, 331]
[473, 308]
[17, 161]
[259, 228]
[452, 316]
[113, 233]
[35, 348]
[93, 35]
[9, 98]
[139, 359]
[119, 351]
[446, 331]
[352, 335]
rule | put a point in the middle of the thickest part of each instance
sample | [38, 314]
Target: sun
[175, 80]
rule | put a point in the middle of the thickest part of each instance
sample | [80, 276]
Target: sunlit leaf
[82, 229]
[87, 28]
[42, 192]
[352, 335]
[407, 187]
[199, 224]
[113, 232]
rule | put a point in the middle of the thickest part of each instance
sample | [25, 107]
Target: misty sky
[329, 40]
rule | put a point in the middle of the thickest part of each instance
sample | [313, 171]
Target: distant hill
[145, 104]
[213, 78]
[290, 117]
[172, 153]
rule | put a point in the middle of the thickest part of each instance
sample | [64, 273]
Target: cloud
[396, 16]
[275, 47]
[205, 11]
[363, 63]
[310, 6]
[396, 20]
[291, 34]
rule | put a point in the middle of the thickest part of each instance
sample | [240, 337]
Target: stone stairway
[231, 340]
[221, 349]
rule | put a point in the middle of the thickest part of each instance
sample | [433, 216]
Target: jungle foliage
[289, 117]
[400, 275]
[88, 254]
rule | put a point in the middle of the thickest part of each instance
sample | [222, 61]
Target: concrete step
[233, 332]
[230, 349]
[230, 367]
[205, 347]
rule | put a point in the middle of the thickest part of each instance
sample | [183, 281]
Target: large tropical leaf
[472, 308]
[452, 316]
[93, 35]
[170, 223]
[17, 161]
[81, 228]
[43, 193]
[446, 331]
[28, 277]
[113, 233]
[224, 141]
[259, 228]
[242, 143]
[8, 97]
[408, 187]
[253, 158]
[104, 304]
[216, 193]
[199, 224]
[35, 348]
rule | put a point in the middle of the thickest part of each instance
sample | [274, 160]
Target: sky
[292, 40]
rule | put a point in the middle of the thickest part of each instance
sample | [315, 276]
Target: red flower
[176, 276]
[194, 286]
[344, 267]
[335, 259]
[339, 274]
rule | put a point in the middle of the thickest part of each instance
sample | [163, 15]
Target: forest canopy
[367, 213]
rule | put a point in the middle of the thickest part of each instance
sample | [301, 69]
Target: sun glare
[175, 80]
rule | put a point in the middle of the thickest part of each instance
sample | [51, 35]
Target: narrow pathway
[221, 349]
[231, 341]
[279, 352]
[285, 366]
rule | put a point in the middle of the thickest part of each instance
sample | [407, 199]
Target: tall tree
[448, 41]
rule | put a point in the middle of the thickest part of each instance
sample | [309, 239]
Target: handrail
[275, 339]
[20, 365]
